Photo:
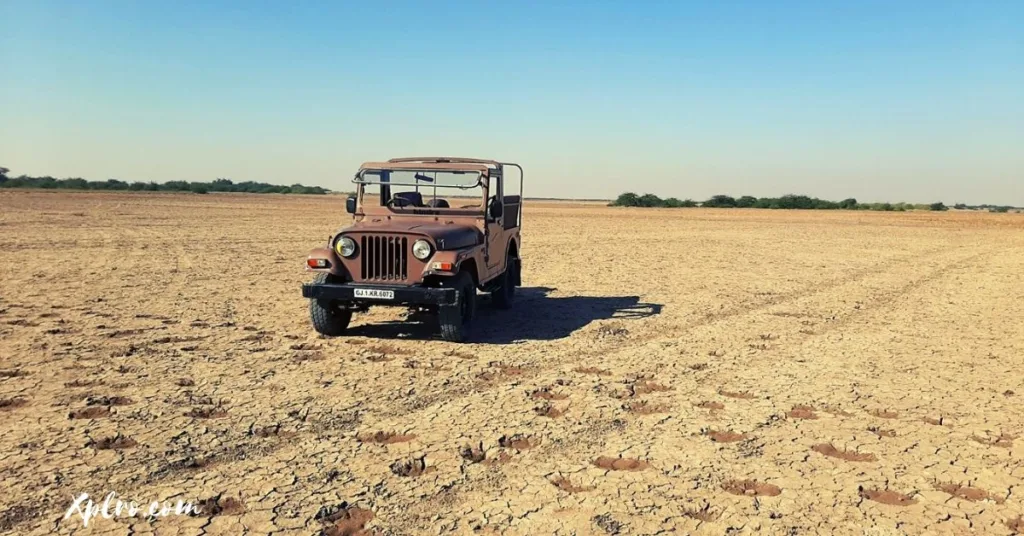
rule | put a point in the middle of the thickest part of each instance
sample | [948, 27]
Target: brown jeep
[426, 233]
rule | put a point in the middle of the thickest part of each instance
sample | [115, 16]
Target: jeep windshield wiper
[422, 177]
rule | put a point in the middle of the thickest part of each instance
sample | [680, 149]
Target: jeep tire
[456, 320]
[328, 318]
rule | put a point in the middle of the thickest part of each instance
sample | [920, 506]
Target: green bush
[789, 201]
[720, 201]
[672, 203]
[630, 199]
[218, 185]
[746, 201]
[651, 200]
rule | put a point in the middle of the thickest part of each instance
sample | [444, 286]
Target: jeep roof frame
[445, 159]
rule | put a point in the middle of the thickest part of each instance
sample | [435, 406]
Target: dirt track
[782, 372]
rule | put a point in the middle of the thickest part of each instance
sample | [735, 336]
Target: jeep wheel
[457, 319]
[328, 318]
[503, 296]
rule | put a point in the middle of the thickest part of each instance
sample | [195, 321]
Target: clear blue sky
[879, 100]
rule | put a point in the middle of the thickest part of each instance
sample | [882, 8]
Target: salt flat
[690, 369]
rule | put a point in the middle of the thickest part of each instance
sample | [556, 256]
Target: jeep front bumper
[346, 292]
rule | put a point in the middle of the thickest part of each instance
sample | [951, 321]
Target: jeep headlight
[345, 246]
[421, 249]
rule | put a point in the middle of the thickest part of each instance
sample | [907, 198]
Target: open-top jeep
[426, 233]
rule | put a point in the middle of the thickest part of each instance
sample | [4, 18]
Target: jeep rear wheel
[456, 319]
[327, 315]
[505, 294]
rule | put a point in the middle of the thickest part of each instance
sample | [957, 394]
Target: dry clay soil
[698, 371]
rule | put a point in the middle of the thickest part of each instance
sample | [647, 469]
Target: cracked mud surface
[732, 376]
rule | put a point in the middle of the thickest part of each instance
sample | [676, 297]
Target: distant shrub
[789, 201]
[720, 201]
[651, 200]
[746, 201]
[672, 203]
[218, 185]
[628, 199]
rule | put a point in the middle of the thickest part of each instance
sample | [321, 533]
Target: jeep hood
[445, 236]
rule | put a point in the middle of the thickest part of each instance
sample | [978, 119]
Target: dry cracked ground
[696, 371]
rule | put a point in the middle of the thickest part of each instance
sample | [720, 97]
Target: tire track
[569, 454]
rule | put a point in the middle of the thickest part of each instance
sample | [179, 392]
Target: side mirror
[350, 205]
[494, 209]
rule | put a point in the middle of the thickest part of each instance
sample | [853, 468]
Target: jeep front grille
[384, 258]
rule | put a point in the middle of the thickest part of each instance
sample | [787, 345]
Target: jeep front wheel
[328, 317]
[456, 319]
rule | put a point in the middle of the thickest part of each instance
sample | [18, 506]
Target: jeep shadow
[536, 316]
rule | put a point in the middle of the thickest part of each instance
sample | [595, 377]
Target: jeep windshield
[407, 190]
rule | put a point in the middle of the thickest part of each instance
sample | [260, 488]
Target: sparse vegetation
[990, 208]
[802, 202]
[218, 185]
[630, 199]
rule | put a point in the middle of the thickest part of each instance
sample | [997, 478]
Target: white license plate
[375, 294]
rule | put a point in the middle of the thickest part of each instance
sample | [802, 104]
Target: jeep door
[497, 237]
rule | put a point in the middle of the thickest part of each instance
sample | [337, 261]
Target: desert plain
[663, 370]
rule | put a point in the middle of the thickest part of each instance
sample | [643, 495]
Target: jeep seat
[405, 199]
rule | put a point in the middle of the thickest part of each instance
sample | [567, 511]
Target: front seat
[439, 203]
[405, 199]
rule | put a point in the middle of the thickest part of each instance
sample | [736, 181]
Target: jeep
[426, 234]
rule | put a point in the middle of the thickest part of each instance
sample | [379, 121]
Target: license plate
[375, 294]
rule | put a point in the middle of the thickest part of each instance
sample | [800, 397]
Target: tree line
[630, 199]
[217, 185]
